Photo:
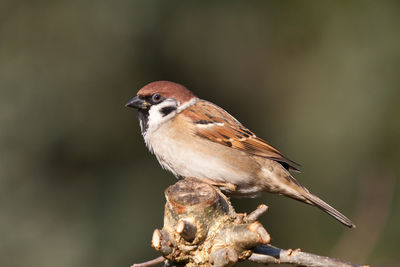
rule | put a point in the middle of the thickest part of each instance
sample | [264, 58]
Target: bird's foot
[224, 186]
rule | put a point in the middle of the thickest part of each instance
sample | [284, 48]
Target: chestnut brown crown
[167, 89]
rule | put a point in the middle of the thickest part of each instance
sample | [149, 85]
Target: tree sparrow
[192, 137]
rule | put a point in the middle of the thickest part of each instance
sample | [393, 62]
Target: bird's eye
[156, 98]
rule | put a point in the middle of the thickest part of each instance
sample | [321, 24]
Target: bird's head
[158, 102]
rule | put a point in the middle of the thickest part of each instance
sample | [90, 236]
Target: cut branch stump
[201, 228]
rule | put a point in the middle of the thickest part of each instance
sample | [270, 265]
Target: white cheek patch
[156, 117]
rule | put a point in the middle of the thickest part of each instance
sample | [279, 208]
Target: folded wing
[216, 125]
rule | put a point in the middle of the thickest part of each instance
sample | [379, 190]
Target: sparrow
[191, 137]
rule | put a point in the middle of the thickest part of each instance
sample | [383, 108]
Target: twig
[150, 262]
[261, 209]
[267, 254]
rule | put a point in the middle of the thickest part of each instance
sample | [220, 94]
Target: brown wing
[217, 125]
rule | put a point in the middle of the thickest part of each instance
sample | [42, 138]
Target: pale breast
[187, 155]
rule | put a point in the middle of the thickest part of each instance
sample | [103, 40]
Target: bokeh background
[317, 79]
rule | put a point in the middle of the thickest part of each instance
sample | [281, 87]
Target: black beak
[137, 103]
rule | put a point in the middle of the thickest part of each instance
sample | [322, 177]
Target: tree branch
[150, 262]
[266, 254]
[201, 228]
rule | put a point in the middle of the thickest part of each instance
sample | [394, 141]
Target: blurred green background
[317, 79]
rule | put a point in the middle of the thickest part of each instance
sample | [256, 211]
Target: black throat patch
[143, 115]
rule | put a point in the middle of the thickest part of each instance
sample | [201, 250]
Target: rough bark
[201, 228]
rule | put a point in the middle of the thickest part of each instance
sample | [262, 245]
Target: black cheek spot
[167, 110]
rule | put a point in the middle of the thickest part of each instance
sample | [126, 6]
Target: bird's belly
[205, 159]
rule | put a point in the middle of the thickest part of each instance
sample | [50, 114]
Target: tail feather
[316, 201]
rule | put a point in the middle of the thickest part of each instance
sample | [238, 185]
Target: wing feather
[217, 125]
